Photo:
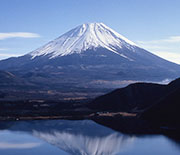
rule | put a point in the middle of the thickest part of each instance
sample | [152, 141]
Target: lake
[62, 137]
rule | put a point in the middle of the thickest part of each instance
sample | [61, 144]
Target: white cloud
[18, 35]
[8, 55]
[174, 57]
[4, 36]
[3, 49]
[171, 39]
[5, 145]
[167, 48]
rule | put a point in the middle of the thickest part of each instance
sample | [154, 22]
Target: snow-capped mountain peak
[83, 37]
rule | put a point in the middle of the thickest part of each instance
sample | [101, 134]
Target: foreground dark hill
[133, 97]
[88, 58]
[166, 111]
[136, 97]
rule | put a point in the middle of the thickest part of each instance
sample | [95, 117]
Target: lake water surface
[62, 137]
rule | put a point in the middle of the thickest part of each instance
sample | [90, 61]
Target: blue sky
[28, 24]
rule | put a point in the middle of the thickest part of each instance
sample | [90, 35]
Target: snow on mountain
[83, 37]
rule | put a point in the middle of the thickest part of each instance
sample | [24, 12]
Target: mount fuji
[82, 38]
[89, 56]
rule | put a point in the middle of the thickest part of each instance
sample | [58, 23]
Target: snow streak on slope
[83, 37]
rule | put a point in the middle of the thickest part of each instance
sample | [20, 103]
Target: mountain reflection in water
[86, 137]
[75, 137]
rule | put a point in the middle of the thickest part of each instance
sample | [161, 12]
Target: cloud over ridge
[8, 35]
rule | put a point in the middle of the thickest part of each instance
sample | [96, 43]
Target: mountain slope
[8, 79]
